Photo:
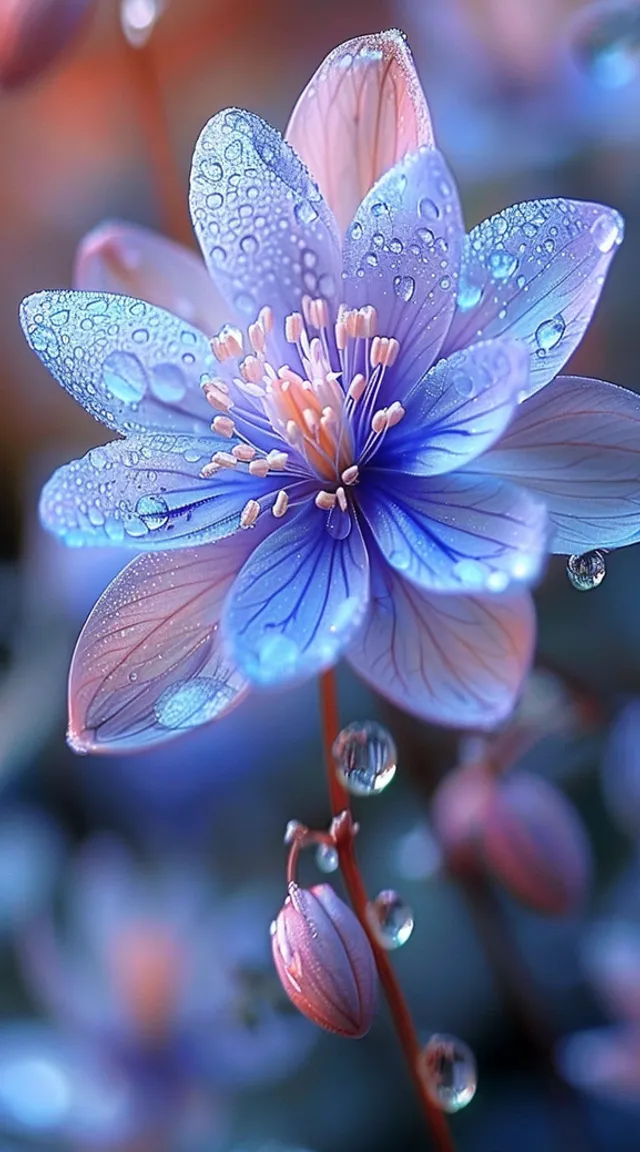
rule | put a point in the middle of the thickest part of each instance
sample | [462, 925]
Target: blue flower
[161, 1001]
[391, 455]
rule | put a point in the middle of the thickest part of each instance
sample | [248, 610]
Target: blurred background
[139, 1009]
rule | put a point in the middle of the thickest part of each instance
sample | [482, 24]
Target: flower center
[322, 407]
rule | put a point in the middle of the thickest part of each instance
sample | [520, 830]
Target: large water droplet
[355, 230]
[305, 213]
[463, 383]
[587, 571]
[327, 858]
[365, 757]
[124, 377]
[168, 383]
[138, 18]
[391, 919]
[192, 702]
[404, 287]
[468, 296]
[154, 510]
[607, 230]
[502, 264]
[428, 208]
[550, 333]
[448, 1071]
[606, 42]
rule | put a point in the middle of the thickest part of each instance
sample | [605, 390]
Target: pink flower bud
[33, 33]
[535, 844]
[458, 810]
[324, 960]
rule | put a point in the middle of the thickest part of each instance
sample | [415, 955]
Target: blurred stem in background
[340, 807]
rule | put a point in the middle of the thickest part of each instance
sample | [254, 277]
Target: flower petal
[605, 1061]
[402, 255]
[265, 231]
[535, 271]
[577, 444]
[131, 365]
[149, 664]
[361, 112]
[298, 601]
[458, 410]
[457, 533]
[125, 258]
[147, 493]
[454, 660]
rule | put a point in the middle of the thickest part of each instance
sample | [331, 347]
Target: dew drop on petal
[607, 231]
[327, 858]
[468, 296]
[550, 333]
[587, 571]
[168, 383]
[448, 1071]
[365, 758]
[191, 702]
[404, 287]
[305, 213]
[391, 919]
[124, 377]
[502, 264]
[428, 208]
[153, 510]
[355, 230]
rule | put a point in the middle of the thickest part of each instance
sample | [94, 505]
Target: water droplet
[168, 383]
[355, 230]
[365, 758]
[379, 208]
[448, 1071]
[502, 264]
[395, 245]
[463, 383]
[587, 571]
[124, 377]
[138, 18]
[291, 832]
[606, 231]
[426, 236]
[606, 42]
[305, 213]
[245, 302]
[428, 208]
[550, 333]
[59, 318]
[468, 296]
[404, 287]
[327, 858]
[191, 702]
[153, 510]
[45, 340]
[391, 919]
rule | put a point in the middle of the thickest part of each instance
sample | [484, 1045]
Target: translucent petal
[265, 231]
[402, 254]
[149, 664]
[298, 600]
[454, 660]
[135, 261]
[458, 410]
[577, 444]
[131, 365]
[456, 533]
[605, 1061]
[535, 271]
[361, 112]
[147, 493]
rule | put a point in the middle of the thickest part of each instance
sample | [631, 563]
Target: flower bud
[324, 960]
[33, 33]
[458, 810]
[534, 843]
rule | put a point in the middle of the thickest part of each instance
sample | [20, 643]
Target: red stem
[354, 884]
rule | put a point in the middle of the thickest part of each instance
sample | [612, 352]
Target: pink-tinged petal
[611, 959]
[454, 660]
[124, 258]
[361, 112]
[132, 366]
[324, 961]
[535, 272]
[605, 1061]
[150, 664]
[298, 601]
[33, 33]
[266, 233]
[577, 444]
[535, 844]
[458, 410]
[458, 810]
[147, 493]
[401, 255]
[456, 533]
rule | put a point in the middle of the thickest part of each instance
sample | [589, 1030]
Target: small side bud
[534, 843]
[324, 961]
